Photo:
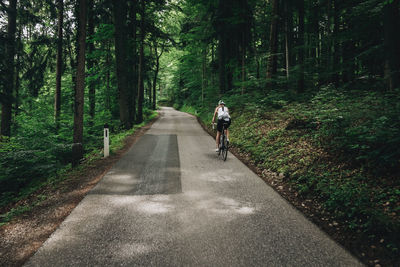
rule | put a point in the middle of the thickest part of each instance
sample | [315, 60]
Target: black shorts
[220, 122]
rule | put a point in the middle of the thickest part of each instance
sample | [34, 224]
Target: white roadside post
[106, 141]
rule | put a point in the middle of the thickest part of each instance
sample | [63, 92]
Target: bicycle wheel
[220, 145]
[225, 149]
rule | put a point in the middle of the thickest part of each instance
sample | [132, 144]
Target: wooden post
[106, 141]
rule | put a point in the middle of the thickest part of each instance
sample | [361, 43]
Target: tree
[157, 57]
[141, 63]
[132, 60]
[391, 24]
[6, 111]
[273, 41]
[120, 14]
[301, 45]
[90, 61]
[288, 36]
[77, 149]
[59, 68]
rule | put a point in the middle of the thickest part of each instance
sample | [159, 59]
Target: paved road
[170, 202]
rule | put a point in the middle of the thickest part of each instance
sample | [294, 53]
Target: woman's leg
[217, 139]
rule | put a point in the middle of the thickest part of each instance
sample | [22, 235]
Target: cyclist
[223, 116]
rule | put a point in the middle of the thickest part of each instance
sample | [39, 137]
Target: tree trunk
[222, 64]
[17, 70]
[272, 64]
[335, 44]
[77, 149]
[108, 87]
[156, 75]
[72, 62]
[300, 81]
[203, 73]
[141, 66]
[348, 58]
[225, 44]
[392, 43]
[120, 13]
[243, 62]
[132, 60]
[57, 98]
[6, 107]
[212, 64]
[288, 37]
[90, 62]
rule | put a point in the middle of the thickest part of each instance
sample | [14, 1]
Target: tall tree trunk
[212, 64]
[392, 43]
[132, 60]
[6, 107]
[288, 37]
[203, 74]
[272, 64]
[149, 88]
[77, 148]
[301, 44]
[226, 42]
[120, 13]
[72, 62]
[108, 87]
[156, 75]
[90, 62]
[17, 70]
[328, 42]
[59, 70]
[335, 44]
[256, 59]
[141, 65]
[243, 62]
[348, 47]
[222, 64]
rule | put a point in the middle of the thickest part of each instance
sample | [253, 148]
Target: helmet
[221, 102]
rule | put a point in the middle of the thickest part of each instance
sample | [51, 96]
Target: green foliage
[38, 155]
[366, 131]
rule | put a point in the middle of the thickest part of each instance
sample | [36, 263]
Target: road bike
[223, 142]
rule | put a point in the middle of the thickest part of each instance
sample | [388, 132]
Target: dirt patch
[371, 253]
[24, 235]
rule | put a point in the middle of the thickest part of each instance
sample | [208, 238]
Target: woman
[223, 117]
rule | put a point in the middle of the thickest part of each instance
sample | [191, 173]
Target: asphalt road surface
[171, 202]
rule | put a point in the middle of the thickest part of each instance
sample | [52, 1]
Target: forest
[313, 87]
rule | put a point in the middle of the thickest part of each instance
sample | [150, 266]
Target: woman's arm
[215, 112]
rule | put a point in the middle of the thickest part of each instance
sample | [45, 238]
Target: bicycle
[223, 142]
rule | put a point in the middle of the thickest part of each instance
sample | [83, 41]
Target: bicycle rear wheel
[220, 145]
[225, 148]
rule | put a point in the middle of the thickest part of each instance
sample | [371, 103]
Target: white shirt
[223, 113]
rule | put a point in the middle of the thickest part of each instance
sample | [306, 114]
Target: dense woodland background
[313, 86]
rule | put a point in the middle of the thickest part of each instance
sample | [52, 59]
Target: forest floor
[25, 233]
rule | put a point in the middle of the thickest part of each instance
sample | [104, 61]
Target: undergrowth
[28, 164]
